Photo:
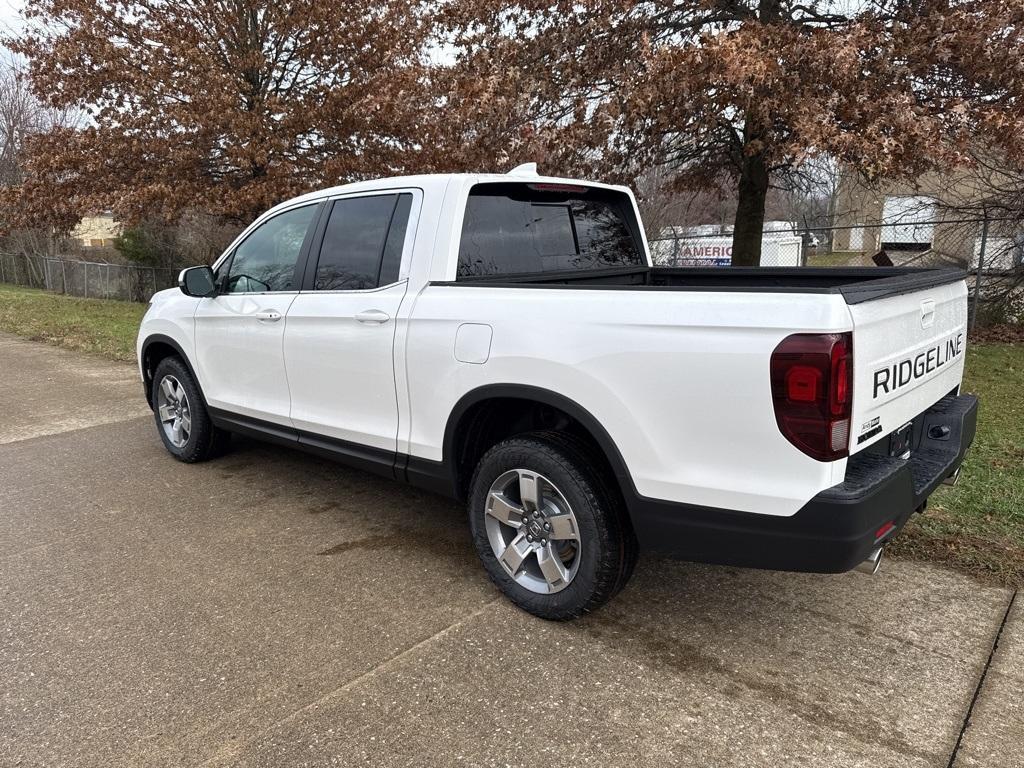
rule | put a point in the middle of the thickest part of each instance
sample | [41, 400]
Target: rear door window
[362, 243]
[521, 229]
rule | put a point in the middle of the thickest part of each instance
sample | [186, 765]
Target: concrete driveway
[273, 609]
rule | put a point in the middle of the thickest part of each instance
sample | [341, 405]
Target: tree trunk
[749, 223]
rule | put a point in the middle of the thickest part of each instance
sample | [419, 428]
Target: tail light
[547, 187]
[812, 389]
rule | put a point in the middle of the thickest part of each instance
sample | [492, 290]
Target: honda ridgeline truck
[506, 340]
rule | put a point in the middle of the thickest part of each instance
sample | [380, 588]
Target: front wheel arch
[155, 349]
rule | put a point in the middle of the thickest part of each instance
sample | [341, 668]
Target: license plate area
[900, 441]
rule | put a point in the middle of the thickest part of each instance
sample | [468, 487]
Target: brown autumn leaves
[228, 106]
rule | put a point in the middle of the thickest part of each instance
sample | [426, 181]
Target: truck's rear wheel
[550, 532]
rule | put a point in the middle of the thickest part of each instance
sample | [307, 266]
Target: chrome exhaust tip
[951, 480]
[872, 564]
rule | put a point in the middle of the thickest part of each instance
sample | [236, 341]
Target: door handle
[372, 316]
[269, 316]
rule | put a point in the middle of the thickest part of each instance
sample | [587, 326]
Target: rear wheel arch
[487, 415]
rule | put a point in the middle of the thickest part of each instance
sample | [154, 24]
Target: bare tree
[22, 116]
[665, 205]
[807, 194]
[992, 192]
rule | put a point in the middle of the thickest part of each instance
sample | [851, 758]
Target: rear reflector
[885, 529]
[802, 384]
[811, 379]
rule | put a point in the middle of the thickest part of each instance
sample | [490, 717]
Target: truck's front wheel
[550, 531]
[184, 425]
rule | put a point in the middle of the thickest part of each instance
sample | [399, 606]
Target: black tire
[607, 544]
[205, 441]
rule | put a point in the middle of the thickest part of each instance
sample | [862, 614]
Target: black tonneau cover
[855, 284]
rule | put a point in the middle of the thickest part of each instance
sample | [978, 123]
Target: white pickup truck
[505, 340]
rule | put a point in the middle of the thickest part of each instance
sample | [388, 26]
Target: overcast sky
[10, 18]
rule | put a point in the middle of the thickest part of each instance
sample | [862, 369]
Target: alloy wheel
[174, 411]
[532, 531]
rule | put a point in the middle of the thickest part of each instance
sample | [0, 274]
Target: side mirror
[198, 282]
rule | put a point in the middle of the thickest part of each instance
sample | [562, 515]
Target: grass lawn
[976, 526]
[838, 259]
[107, 328]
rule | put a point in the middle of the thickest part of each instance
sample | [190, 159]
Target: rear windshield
[521, 229]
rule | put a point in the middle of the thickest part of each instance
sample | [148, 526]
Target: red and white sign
[777, 250]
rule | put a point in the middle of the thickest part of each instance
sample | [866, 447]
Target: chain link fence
[991, 250]
[88, 279]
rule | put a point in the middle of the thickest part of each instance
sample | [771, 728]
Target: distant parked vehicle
[507, 341]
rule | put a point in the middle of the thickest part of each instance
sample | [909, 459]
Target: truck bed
[855, 284]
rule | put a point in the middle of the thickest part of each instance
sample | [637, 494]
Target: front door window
[265, 260]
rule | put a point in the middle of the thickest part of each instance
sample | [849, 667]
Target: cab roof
[439, 182]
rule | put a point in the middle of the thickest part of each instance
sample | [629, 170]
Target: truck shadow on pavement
[393, 516]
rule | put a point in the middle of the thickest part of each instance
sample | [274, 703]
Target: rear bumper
[839, 527]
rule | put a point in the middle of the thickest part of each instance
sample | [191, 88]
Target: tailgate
[908, 353]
